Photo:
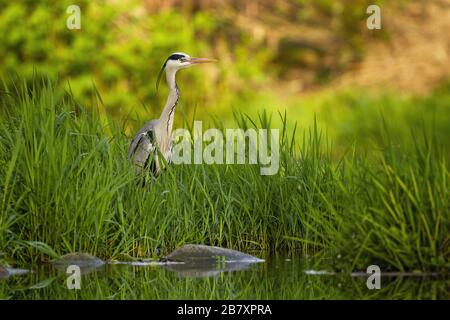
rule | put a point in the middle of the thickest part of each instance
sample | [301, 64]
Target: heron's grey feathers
[143, 145]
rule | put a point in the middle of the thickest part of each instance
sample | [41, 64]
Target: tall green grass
[66, 185]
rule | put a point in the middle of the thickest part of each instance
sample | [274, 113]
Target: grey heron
[154, 138]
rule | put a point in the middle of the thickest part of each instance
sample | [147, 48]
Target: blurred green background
[308, 58]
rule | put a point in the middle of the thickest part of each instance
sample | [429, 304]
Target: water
[276, 278]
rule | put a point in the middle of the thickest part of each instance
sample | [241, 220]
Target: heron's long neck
[167, 115]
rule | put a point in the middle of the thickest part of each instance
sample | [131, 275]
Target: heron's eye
[183, 59]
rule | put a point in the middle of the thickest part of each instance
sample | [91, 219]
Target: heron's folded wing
[142, 147]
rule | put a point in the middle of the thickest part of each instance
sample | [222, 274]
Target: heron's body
[154, 138]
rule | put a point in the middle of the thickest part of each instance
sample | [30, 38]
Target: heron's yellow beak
[193, 60]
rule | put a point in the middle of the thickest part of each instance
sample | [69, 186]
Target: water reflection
[202, 270]
[277, 278]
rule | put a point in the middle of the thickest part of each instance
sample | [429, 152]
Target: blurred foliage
[120, 48]
[264, 49]
[122, 45]
[365, 116]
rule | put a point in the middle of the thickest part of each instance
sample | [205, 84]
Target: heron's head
[180, 60]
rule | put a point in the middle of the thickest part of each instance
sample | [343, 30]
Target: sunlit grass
[66, 185]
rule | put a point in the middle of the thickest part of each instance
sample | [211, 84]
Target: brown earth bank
[415, 58]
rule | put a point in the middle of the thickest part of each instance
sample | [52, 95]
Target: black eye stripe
[177, 57]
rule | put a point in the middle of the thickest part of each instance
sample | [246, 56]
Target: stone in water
[197, 253]
[81, 259]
